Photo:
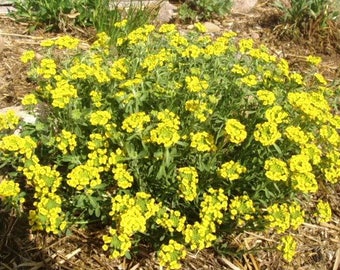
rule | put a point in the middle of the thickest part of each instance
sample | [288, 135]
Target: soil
[319, 245]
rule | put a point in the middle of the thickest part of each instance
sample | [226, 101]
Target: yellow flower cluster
[135, 122]
[283, 216]
[314, 60]
[312, 152]
[131, 215]
[296, 134]
[276, 114]
[62, 93]
[122, 176]
[199, 109]
[324, 211]
[276, 169]
[200, 235]
[167, 28]
[84, 177]
[188, 179]
[96, 98]
[314, 105]
[332, 167]
[44, 179]
[231, 170]
[17, 145]
[27, 56]
[288, 246]
[172, 220]
[166, 132]
[100, 118]
[170, 255]
[239, 69]
[29, 99]
[48, 214]
[250, 80]
[67, 42]
[140, 35]
[267, 133]
[9, 120]
[102, 42]
[153, 61]
[8, 188]
[192, 51]
[242, 209]
[203, 142]
[47, 68]
[330, 134]
[266, 97]
[236, 132]
[194, 84]
[118, 69]
[97, 141]
[66, 141]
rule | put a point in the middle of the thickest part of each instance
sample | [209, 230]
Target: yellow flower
[194, 84]
[135, 122]
[324, 211]
[29, 99]
[188, 179]
[121, 24]
[276, 169]
[122, 176]
[167, 28]
[231, 170]
[267, 133]
[235, 131]
[267, 97]
[250, 80]
[203, 142]
[9, 120]
[47, 68]
[314, 60]
[288, 247]
[200, 27]
[8, 188]
[27, 56]
[171, 254]
[100, 118]
[276, 114]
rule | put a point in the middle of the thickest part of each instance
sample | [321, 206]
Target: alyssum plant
[170, 139]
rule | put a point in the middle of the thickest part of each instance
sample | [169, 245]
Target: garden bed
[20, 248]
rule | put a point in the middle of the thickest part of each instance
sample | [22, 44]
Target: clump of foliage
[306, 17]
[192, 10]
[174, 140]
[66, 14]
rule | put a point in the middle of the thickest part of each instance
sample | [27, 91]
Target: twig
[337, 260]
[19, 35]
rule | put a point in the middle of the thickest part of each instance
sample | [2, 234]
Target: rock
[20, 111]
[211, 27]
[167, 11]
[243, 6]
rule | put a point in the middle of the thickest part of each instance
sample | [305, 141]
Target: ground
[319, 245]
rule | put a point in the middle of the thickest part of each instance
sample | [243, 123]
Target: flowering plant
[174, 137]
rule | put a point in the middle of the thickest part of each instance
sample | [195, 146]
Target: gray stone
[211, 27]
[243, 6]
[20, 111]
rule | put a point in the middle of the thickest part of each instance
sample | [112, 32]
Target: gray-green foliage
[307, 16]
[64, 14]
[203, 9]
